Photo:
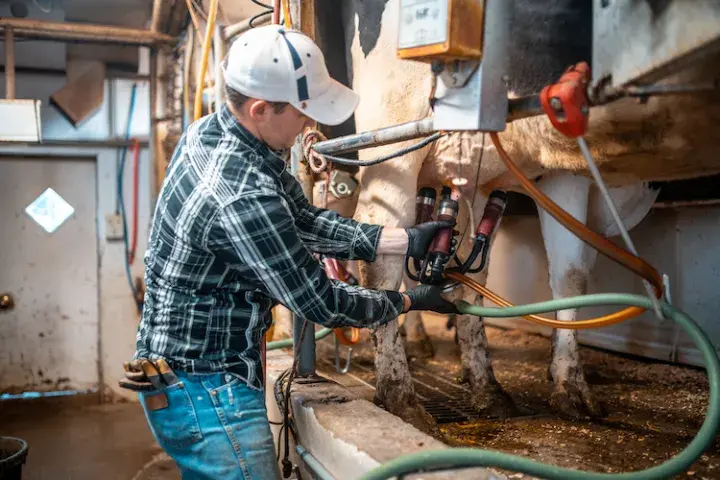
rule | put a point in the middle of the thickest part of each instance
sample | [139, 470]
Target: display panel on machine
[423, 23]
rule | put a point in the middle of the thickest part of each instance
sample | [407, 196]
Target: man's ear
[258, 109]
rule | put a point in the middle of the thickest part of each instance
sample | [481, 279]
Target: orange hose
[613, 318]
[601, 244]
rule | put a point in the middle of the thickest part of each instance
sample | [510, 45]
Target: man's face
[280, 128]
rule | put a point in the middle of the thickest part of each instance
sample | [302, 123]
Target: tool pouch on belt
[144, 375]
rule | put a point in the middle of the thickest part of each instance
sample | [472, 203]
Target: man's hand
[420, 237]
[429, 297]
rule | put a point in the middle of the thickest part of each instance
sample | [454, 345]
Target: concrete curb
[347, 435]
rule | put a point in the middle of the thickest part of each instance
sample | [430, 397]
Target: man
[232, 236]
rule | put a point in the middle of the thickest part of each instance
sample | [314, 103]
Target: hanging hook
[346, 368]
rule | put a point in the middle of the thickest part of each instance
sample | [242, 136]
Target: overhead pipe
[521, 107]
[376, 138]
[219, 52]
[155, 169]
[236, 29]
[81, 32]
[9, 64]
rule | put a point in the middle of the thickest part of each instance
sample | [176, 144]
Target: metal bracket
[342, 184]
[457, 73]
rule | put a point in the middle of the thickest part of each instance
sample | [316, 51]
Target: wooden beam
[82, 32]
[9, 64]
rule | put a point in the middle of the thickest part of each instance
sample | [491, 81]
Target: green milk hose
[288, 342]
[455, 458]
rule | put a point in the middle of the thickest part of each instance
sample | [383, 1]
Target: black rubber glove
[420, 237]
[429, 297]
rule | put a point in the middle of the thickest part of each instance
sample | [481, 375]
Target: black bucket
[13, 453]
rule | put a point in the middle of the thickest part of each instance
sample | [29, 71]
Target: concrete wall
[680, 242]
[118, 314]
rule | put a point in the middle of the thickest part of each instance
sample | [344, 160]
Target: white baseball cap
[275, 64]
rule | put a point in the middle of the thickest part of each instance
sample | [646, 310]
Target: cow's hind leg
[569, 265]
[488, 397]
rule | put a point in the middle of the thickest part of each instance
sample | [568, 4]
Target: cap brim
[333, 107]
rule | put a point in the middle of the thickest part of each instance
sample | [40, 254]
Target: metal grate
[444, 410]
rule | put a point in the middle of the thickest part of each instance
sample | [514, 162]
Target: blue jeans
[214, 427]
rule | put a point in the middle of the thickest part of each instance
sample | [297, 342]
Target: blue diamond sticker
[49, 210]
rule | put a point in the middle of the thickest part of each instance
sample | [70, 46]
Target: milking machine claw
[444, 246]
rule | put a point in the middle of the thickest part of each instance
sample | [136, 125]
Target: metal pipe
[688, 203]
[375, 138]
[312, 463]
[111, 107]
[669, 89]
[219, 52]
[306, 349]
[155, 23]
[9, 64]
[81, 32]
[242, 27]
[592, 166]
[518, 108]
[523, 107]
[154, 168]
[80, 143]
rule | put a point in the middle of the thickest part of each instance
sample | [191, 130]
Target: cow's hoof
[491, 401]
[420, 419]
[574, 401]
[419, 349]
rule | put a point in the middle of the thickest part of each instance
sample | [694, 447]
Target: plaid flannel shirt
[232, 236]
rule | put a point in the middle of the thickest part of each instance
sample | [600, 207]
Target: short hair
[237, 99]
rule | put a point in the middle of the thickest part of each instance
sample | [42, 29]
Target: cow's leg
[488, 396]
[387, 198]
[569, 266]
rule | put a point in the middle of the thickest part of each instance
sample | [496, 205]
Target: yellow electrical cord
[205, 57]
[287, 21]
[613, 318]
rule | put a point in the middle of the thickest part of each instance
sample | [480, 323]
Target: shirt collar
[273, 159]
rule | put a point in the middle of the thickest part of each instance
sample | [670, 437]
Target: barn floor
[653, 410]
[78, 440]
